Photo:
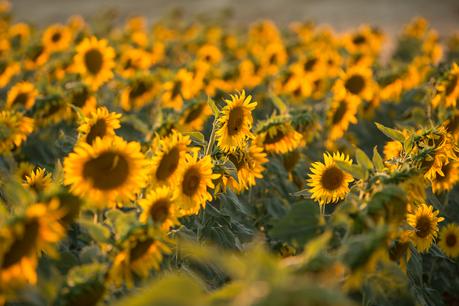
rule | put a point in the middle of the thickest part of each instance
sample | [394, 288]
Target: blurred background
[341, 14]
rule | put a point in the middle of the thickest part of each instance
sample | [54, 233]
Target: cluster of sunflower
[118, 144]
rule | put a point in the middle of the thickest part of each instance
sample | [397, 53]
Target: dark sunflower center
[423, 226]
[107, 171]
[79, 98]
[56, 37]
[93, 60]
[451, 85]
[355, 84]
[140, 249]
[22, 246]
[138, 90]
[297, 91]
[99, 129]
[176, 89]
[339, 112]
[310, 64]
[269, 139]
[451, 240]
[21, 98]
[235, 120]
[332, 178]
[35, 53]
[453, 124]
[273, 59]
[191, 181]
[168, 164]
[3, 66]
[446, 169]
[194, 113]
[359, 39]
[159, 211]
[128, 64]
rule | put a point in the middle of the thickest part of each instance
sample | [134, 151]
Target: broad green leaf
[391, 133]
[363, 159]
[97, 231]
[279, 104]
[213, 106]
[356, 171]
[199, 137]
[377, 160]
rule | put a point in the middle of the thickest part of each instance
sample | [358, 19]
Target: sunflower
[132, 61]
[94, 61]
[14, 129]
[272, 58]
[449, 240]
[36, 56]
[23, 170]
[139, 92]
[432, 165]
[109, 170]
[140, 254]
[448, 90]
[169, 157]
[194, 117]
[280, 139]
[392, 149]
[425, 226]
[7, 71]
[38, 180]
[84, 99]
[448, 180]
[194, 179]
[98, 124]
[209, 54]
[19, 34]
[328, 183]
[356, 81]
[249, 166]
[235, 123]
[342, 113]
[159, 206]
[57, 38]
[38, 230]
[178, 89]
[22, 94]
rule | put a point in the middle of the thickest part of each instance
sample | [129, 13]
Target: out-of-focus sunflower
[194, 179]
[159, 206]
[327, 182]
[83, 98]
[38, 180]
[424, 221]
[169, 158]
[94, 61]
[449, 240]
[280, 138]
[448, 180]
[194, 117]
[392, 149]
[36, 56]
[342, 113]
[23, 169]
[7, 71]
[249, 166]
[140, 254]
[209, 54]
[448, 89]
[132, 61]
[22, 94]
[272, 58]
[140, 91]
[356, 81]
[109, 170]
[56, 38]
[178, 89]
[38, 230]
[432, 165]
[14, 129]
[98, 124]
[235, 123]
[19, 34]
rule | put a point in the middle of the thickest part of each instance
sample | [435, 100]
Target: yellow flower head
[22, 94]
[425, 226]
[98, 124]
[449, 240]
[328, 183]
[14, 129]
[159, 207]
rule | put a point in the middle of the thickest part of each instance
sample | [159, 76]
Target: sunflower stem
[212, 137]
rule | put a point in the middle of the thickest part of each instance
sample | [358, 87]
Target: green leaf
[279, 104]
[197, 136]
[391, 133]
[377, 160]
[356, 171]
[97, 231]
[213, 106]
[363, 159]
[300, 224]
[231, 169]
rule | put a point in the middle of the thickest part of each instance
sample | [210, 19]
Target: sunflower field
[194, 162]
